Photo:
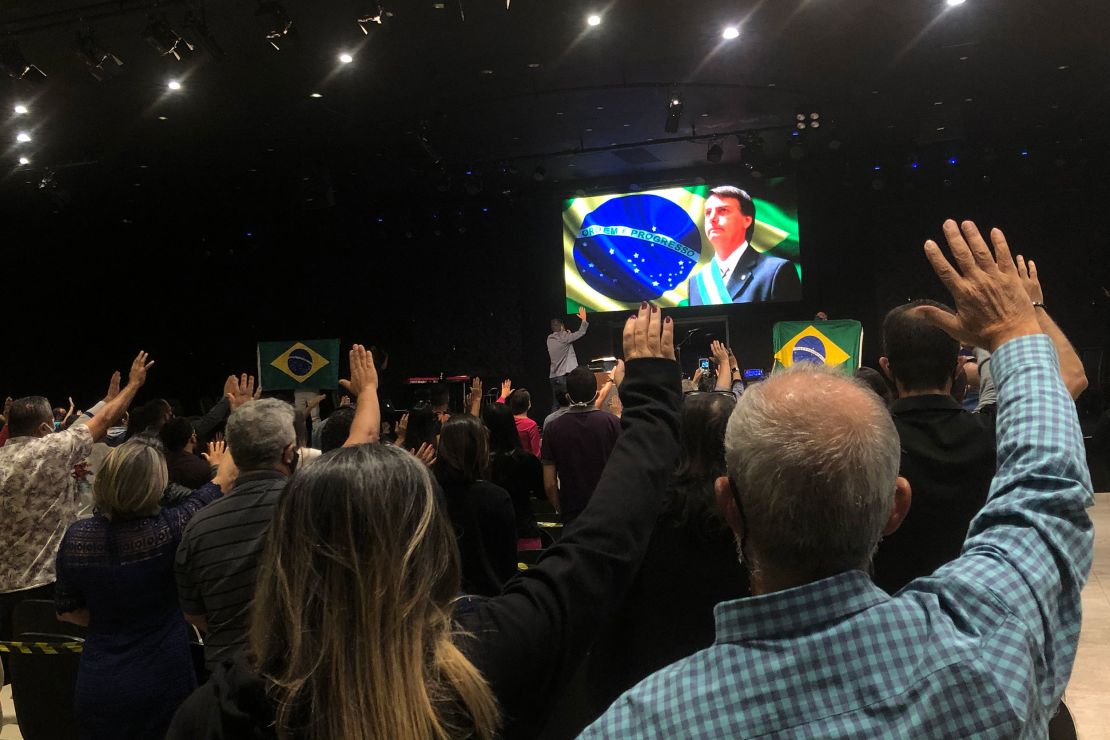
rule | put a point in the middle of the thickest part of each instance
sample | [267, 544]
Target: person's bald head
[813, 455]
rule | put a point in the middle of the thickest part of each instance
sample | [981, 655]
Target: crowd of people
[815, 554]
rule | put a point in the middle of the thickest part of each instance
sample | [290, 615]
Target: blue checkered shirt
[982, 648]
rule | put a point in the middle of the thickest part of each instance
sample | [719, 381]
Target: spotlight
[954, 3]
[24, 161]
[173, 85]
[23, 137]
[100, 63]
[16, 65]
[371, 16]
[730, 33]
[346, 58]
[674, 115]
[803, 121]
[315, 95]
[953, 161]
[164, 39]
[715, 153]
[20, 109]
[278, 24]
[594, 20]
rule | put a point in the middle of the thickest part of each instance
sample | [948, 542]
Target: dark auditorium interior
[198, 178]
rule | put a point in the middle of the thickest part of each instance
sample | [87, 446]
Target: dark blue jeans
[558, 388]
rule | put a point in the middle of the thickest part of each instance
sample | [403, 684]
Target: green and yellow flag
[621, 249]
[834, 343]
[308, 363]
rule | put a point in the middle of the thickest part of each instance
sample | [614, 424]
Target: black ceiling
[475, 86]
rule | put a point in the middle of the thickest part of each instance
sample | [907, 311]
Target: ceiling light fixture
[24, 161]
[954, 3]
[100, 63]
[730, 33]
[16, 65]
[346, 58]
[594, 20]
[20, 109]
[278, 24]
[23, 137]
[164, 39]
[173, 85]
[315, 95]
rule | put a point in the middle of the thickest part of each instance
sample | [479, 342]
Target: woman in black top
[690, 567]
[518, 472]
[481, 512]
[369, 512]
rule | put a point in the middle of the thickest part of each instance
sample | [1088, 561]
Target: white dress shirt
[726, 267]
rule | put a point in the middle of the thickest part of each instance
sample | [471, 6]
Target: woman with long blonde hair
[358, 630]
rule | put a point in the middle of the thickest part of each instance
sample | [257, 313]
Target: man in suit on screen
[738, 273]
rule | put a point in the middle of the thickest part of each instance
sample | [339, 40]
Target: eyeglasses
[727, 394]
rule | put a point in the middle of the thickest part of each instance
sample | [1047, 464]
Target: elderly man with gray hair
[983, 647]
[218, 555]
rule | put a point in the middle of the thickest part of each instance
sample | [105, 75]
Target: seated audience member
[983, 647]
[519, 402]
[874, 380]
[481, 513]
[185, 468]
[576, 447]
[518, 472]
[115, 576]
[217, 561]
[947, 454]
[689, 568]
[361, 546]
[38, 498]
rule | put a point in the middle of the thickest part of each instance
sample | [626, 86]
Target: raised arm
[529, 640]
[1071, 367]
[367, 424]
[113, 409]
[1028, 551]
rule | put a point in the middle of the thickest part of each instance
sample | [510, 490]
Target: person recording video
[738, 273]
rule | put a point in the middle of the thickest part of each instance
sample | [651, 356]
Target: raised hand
[241, 391]
[720, 354]
[8, 406]
[426, 454]
[139, 366]
[227, 473]
[506, 388]
[618, 373]
[581, 313]
[992, 306]
[647, 334]
[217, 451]
[1027, 272]
[403, 425]
[113, 386]
[364, 376]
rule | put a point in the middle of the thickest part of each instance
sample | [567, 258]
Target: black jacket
[528, 641]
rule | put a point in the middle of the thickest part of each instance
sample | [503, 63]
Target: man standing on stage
[560, 347]
[738, 273]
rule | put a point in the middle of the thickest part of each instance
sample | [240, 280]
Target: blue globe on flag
[809, 349]
[299, 362]
[637, 247]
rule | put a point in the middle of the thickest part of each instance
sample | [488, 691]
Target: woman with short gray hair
[115, 576]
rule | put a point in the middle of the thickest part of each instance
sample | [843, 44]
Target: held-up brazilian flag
[835, 343]
[308, 363]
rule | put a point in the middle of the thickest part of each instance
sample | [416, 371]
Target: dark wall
[450, 287]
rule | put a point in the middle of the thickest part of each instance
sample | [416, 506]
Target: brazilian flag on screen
[624, 248]
[835, 343]
[306, 363]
